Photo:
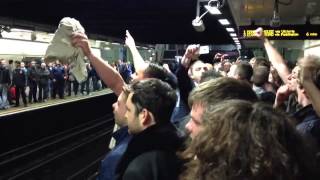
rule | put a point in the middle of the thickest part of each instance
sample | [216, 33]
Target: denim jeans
[4, 103]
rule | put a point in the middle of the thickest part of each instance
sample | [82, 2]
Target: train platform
[52, 102]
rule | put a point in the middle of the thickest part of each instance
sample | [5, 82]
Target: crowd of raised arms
[245, 120]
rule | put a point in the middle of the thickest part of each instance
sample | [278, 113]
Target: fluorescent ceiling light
[224, 21]
[230, 29]
[20, 30]
[233, 34]
[213, 10]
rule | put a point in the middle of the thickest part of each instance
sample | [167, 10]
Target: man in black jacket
[19, 79]
[44, 75]
[151, 153]
[33, 80]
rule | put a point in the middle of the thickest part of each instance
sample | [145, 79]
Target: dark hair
[159, 72]
[244, 70]
[260, 75]
[210, 74]
[251, 141]
[216, 90]
[156, 96]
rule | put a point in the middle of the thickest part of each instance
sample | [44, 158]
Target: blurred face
[194, 126]
[2, 63]
[33, 64]
[197, 69]
[226, 67]
[43, 65]
[119, 110]
[133, 119]
[139, 74]
[292, 79]
[22, 65]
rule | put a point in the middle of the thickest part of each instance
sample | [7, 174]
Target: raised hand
[81, 40]
[192, 52]
[166, 66]
[129, 40]
[259, 33]
[282, 95]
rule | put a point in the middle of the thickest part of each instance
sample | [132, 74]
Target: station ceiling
[149, 21]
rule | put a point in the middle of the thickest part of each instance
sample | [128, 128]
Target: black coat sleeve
[155, 165]
[185, 84]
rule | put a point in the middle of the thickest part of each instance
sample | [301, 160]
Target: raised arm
[108, 75]
[274, 56]
[192, 53]
[138, 61]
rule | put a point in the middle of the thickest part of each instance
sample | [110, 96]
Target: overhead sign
[289, 32]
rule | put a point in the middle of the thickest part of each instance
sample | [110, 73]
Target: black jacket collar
[162, 137]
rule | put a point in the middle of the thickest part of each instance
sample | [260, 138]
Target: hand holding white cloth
[62, 49]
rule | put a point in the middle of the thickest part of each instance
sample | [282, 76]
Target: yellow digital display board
[297, 32]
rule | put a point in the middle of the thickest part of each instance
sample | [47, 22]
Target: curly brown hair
[247, 141]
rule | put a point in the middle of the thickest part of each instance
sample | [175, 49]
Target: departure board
[290, 32]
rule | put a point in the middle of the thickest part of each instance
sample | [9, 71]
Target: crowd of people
[37, 81]
[254, 119]
[223, 120]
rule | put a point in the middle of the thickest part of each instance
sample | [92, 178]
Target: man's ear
[146, 118]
